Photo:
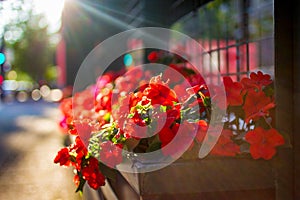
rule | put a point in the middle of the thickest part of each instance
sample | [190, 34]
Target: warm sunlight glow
[52, 9]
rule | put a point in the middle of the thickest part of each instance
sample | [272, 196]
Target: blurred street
[29, 141]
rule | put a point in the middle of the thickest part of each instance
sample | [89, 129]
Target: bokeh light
[56, 95]
[22, 96]
[2, 58]
[12, 75]
[36, 95]
[45, 91]
[128, 60]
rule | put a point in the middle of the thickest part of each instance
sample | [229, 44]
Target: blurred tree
[32, 52]
[26, 34]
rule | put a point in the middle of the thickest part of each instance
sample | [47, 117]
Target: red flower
[257, 104]
[179, 143]
[233, 92]
[225, 146]
[110, 154]
[76, 180]
[79, 146]
[129, 81]
[92, 174]
[166, 135]
[134, 128]
[257, 80]
[89, 101]
[63, 157]
[153, 56]
[103, 100]
[103, 80]
[202, 93]
[172, 115]
[159, 92]
[80, 151]
[63, 124]
[202, 130]
[122, 109]
[66, 107]
[166, 119]
[84, 130]
[263, 142]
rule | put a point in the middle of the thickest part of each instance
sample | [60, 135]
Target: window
[237, 36]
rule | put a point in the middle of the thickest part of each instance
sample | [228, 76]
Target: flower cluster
[142, 111]
[87, 167]
[249, 105]
[248, 123]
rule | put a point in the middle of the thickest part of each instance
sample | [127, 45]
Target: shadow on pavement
[29, 141]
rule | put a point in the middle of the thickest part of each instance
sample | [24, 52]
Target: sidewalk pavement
[29, 141]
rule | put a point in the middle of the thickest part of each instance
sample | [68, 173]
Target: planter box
[209, 178]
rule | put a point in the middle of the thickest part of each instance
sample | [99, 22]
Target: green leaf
[81, 184]
[114, 140]
[154, 146]
[106, 117]
[269, 91]
[72, 158]
[163, 108]
[206, 101]
[130, 115]
[94, 146]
